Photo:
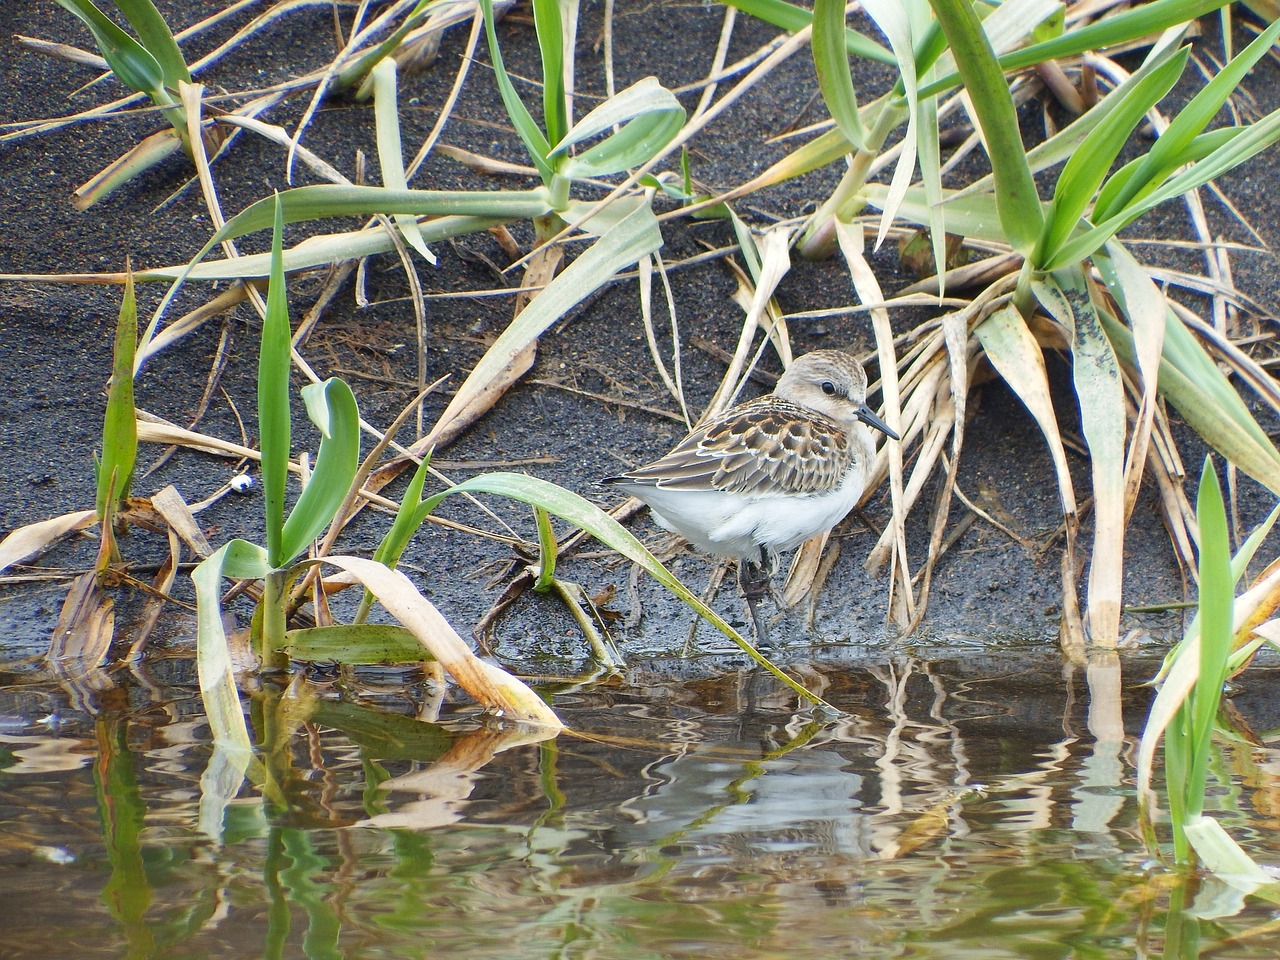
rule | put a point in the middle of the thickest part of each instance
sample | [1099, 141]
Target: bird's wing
[768, 446]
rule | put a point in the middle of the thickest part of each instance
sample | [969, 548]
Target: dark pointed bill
[866, 415]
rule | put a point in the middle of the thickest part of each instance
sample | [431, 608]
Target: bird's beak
[866, 415]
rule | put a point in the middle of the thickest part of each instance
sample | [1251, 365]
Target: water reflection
[961, 807]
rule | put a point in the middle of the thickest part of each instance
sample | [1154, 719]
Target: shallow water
[967, 804]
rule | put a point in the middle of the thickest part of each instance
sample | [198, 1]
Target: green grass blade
[274, 363]
[386, 118]
[831, 62]
[535, 141]
[120, 423]
[1249, 142]
[1175, 146]
[587, 516]
[1016, 200]
[1090, 163]
[332, 407]
[549, 27]
[156, 36]
[213, 659]
[334, 200]
[1150, 18]
[652, 116]
[407, 521]
[366, 643]
[1216, 605]
[548, 549]
[793, 19]
[128, 59]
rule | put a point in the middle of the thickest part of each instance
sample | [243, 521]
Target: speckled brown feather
[763, 447]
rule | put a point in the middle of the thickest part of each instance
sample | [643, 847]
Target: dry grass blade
[29, 540]
[170, 505]
[851, 240]
[493, 687]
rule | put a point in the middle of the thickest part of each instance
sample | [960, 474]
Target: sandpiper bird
[768, 474]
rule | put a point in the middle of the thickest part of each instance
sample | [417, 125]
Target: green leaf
[793, 19]
[1176, 146]
[550, 30]
[1216, 605]
[535, 141]
[1192, 382]
[1090, 163]
[652, 115]
[1016, 200]
[831, 63]
[407, 520]
[213, 659]
[129, 60]
[157, 38]
[1147, 19]
[274, 363]
[332, 407]
[1248, 142]
[365, 643]
[120, 423]
[548, 548]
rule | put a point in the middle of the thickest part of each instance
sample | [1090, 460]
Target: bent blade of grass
[132, 64]
[1145, 306]
[1100, 390]
[631, 238]
[390, 152]
[490, 685]
[319, 251]
[332, 408]
[894, 18]
[585, 515]
[652, 116]
[329, 200]
[1192, 382]
[1227, 860]
[973, 215]
[831, 63]
[1150, 18]
[29, 540]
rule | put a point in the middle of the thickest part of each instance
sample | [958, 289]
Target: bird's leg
[753, 581]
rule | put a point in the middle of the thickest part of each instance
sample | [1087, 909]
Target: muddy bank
[583, 412]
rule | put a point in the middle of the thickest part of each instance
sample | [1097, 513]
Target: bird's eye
[828, 388]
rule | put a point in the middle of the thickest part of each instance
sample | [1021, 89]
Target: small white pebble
[241, 483]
